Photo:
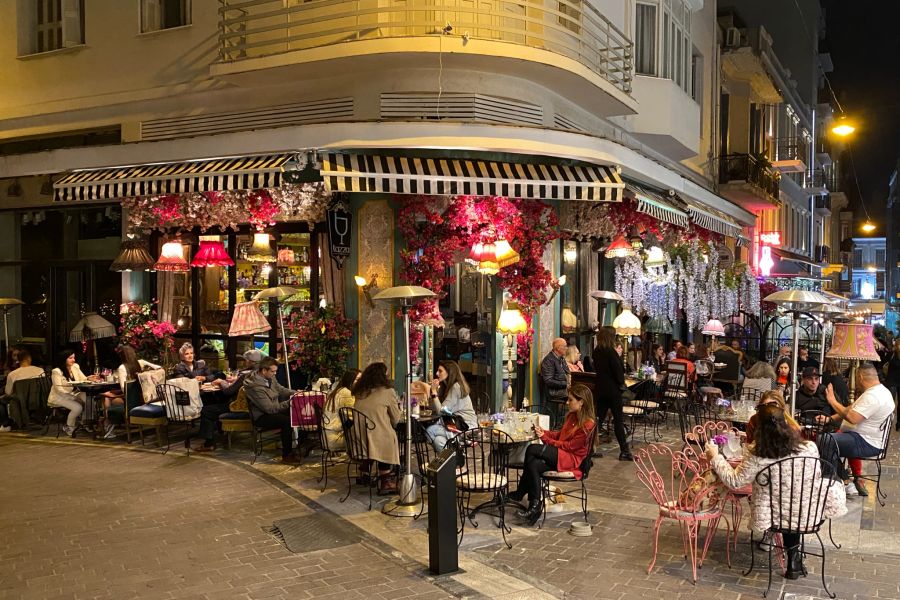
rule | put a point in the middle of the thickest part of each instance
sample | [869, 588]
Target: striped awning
[219, 174]
[447, 176]
[651, 203]
[721, 224]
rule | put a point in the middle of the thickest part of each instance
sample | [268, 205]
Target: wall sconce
[559, 283]
[366, 287]
[570, 253]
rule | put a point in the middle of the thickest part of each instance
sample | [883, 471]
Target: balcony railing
[823, 202]
[823, 254]
[572, 28]
[744, 167]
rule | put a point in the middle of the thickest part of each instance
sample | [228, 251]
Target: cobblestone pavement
[94, 520]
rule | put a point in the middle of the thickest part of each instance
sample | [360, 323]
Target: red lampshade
[489, 264]
[476, 253]
[172, 258]
[212, 254]
[620, 248]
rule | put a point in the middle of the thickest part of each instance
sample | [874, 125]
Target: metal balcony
[576, 29]
[746, 171]
[822, 254]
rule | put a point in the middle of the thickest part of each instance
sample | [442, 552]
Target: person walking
[608, 387]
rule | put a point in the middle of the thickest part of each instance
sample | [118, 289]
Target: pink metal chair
[683, 495]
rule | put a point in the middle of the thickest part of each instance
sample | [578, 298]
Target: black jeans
[209, 420]
[282, 420]
[538, 459]
[791, 540]
[614, 405]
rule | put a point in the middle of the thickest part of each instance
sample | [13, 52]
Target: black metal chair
[580, 492]
[483, 456]
[797, 491]
[356, 435]
[329, 454]
[813, 427]
[177, 403]
[828, 451]
[886, 427]
[259, 433]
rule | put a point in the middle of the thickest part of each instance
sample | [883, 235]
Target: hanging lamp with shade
[133, 256]
[505, 254]
[261, 250]
[212, 253]
[475, 254]
[171, 258]
[619, 248]
[511, 321]
[489, 264]
[714, 327]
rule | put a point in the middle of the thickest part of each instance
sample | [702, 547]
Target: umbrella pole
[796, 351]
[287, 364]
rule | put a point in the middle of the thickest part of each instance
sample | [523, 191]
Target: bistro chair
[682, 495]
[798, 488]
[330, 456]
[356, 435]
[559, 479]
[425, 453]
[886, 427]
[29, 396]
[829, 452]
[145, 414]
[178, 407]
[259, 435]
[237, 418]
[483, 457]
[811, 427]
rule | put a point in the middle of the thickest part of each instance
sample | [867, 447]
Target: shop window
[164, 14]
[46, 25]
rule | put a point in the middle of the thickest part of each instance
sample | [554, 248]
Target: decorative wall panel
[376, 257]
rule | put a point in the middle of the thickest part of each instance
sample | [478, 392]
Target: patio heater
[828, 312]
[405, 296]
[6, 305]
[796, 302]
[277, 294]
[603, 298]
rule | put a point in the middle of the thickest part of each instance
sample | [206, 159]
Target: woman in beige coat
[376, 399]
[338, 398]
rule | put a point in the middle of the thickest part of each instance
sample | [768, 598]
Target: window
[164, 14]
[858, 258]
[570, 15]
[46, 25]
[880, 258]
[663, 41]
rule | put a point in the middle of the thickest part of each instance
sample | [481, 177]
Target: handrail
[572, 28]
[745, 167]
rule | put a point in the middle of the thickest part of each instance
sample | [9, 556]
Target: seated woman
[681, 356]
[190, 368]
[783, 374]
[127, 371]
[769, 398]
[337, 399]
[776, 439]
[64, 395]
[449, 396]
[218, 403]
[377, 400]
[573, 359]
[562, 450]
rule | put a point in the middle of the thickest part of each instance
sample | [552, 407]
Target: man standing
[270, 405]
[862, 424]
[811, 394]
[555, 378]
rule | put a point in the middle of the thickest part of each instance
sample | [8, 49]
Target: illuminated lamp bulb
[171, 258]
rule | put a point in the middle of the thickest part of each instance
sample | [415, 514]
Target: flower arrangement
[320, 342]
[140, 329]
[647, 372]
[720, 440]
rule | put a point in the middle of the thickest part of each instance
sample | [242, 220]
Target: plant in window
[320, 342]
[150, 337]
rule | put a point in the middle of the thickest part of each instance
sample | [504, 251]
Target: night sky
[863, 40]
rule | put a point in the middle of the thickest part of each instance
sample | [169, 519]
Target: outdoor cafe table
[93, 391]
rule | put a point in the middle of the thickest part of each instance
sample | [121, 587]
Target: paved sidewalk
[95, 520]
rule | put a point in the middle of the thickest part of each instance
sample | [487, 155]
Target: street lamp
[868, 226]
[843, 127]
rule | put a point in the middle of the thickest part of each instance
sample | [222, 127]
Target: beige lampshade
[505, 254]
[627, 323]
[511, 321]
[171, 258]
[92, 327]
[261, 250]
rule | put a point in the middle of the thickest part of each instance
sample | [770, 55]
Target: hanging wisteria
[693, 282]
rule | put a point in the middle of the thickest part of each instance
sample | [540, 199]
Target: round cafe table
[93, 391]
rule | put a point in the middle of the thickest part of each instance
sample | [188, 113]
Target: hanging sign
[339, 222]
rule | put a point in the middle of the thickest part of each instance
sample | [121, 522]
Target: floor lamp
[6, 305]
[92, 327]
[853, 341]
[405, 296]
[277, 294]
[627, 324]
[827, 312]
[796, 301]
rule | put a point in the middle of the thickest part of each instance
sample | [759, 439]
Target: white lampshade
[714, 328]
[627, 323]
[261, 250]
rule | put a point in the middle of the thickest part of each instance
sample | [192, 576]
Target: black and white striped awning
[450, 177]
[719, 224]
[654, 205]
[219, 174]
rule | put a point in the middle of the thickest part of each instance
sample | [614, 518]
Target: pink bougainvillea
[439, 233]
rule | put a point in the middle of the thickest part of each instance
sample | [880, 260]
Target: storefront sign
[339, 222]
[770, 238]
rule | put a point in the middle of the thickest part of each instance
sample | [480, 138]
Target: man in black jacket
[555, 379]
[811, 394]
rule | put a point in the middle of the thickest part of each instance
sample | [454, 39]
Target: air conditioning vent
[561, 122]
[732, 37]
[459, 107]
[301, 113]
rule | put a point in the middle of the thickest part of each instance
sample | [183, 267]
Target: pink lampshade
[853, 341]
[714, 327]
[248, 319]
[172, 258]
[212, 253]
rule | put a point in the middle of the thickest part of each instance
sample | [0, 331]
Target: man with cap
[811, 394]
[217, 403]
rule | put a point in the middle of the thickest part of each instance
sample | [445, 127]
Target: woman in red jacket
[562, 450]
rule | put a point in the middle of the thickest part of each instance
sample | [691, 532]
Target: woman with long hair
[657, 358]
[608, 388]
[62, 394]
[783, 375]
[769, 398]
[562, 450]
[127, 371]
[573, 359]
[377, 400]
[339, 397]
[449, 397]
[831, 375]
[776, 438]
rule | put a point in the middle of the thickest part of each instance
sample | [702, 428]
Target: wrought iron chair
[330, 454]
[682, 495]
[177, 403]
[561, 478]
[829, 452]
[483, 456]
[886, 427]
[797, 489]
[356, 435]
[259, 432]
[812, 426]
[425, 453]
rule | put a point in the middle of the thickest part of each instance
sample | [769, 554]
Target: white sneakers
[850, 490]
[5, 429]
[68, 430]
[110, 432]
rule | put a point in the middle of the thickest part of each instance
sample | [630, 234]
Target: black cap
[810, 372]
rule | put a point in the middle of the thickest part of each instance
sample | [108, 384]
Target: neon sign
[770, 238]
[765, 261]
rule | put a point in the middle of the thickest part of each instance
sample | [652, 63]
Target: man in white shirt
[25, 371]
[862, 423]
